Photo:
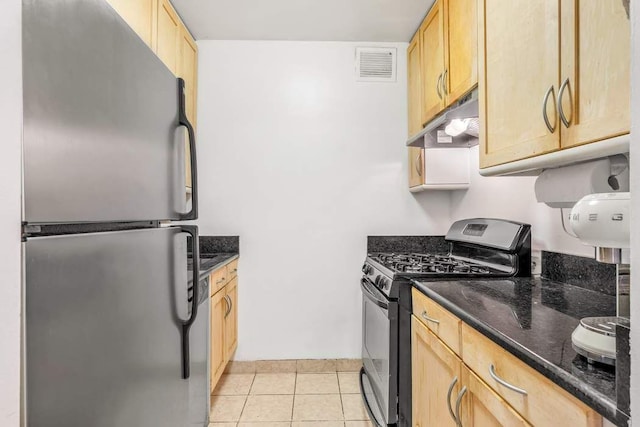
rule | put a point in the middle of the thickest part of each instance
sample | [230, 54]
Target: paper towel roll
[563, 187]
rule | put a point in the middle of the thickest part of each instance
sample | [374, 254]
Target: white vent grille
[376, 64]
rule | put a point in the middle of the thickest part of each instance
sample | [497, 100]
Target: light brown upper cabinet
[414, 87]
[595, 48]
[431, 34]
[554, 74]
[167, 42]
[461, 52]
[447, 43]
[139, 14]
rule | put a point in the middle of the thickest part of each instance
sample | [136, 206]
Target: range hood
[455, 127]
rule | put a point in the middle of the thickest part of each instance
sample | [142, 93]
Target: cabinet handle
[565, 85]
[234, 270]
[228, 301]
[492, 372]
[458, 403]
[444, 82]
[419, 164]
[545, 100]
[451, 386]
[429, 319]
[220, 280]
[438, 86]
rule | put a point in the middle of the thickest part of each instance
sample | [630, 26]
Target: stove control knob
[365, 267]
[384, 283]
[378, 280]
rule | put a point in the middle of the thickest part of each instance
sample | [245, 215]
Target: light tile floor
[288, 400]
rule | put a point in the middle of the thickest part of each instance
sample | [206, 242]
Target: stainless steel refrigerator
[114, 333]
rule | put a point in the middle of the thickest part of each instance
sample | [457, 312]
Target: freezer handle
[184, 121]
[186, 325]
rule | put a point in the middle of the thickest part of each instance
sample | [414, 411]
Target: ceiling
[304, 20]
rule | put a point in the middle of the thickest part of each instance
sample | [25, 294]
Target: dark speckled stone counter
[407, 244]
[533, 319]
[215, 251]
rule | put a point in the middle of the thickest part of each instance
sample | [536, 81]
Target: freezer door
[102, 140]
[103, 320]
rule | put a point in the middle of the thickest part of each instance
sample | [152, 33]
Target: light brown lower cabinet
[484, 387]
[224, 318]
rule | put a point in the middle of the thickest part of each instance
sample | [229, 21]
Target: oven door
[374, 377]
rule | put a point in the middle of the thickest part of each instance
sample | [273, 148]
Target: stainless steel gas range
[478, 248]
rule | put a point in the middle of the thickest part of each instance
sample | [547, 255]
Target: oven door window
[375, 350]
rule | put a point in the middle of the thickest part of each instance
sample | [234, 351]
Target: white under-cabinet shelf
[444, 169]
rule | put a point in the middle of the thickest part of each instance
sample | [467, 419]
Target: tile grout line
[295, 387]
[246, 399]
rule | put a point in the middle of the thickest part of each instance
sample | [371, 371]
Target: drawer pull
[234, 270]
[458, 403]
[451, 386]
[492, 372]
[220, 280]
[426, 317]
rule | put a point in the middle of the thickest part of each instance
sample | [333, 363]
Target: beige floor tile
[267, 424]
[222, 424]
[240, 367]
[317, 424]
[348, 365]
[267, 408]
[274, 384]
[275, 366]
[359, 424]
[316, 365]
[354, 408]
[317, 407]
[226, 408]
[234, 385]
[317, 384]
[349, 382]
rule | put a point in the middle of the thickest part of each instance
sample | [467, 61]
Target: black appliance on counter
[479, 248]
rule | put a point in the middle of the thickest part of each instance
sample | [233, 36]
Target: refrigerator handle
[184, 121]
[186, 325]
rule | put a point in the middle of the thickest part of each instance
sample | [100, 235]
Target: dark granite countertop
[533, 319]
[210, 262]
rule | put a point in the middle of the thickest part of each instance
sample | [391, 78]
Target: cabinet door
[434, 369]
[519, 67]
[482, 407]
[167, 43]
[219, 308]
[432, 59]
[595, 63]
[139, 14]
[416, 166]
[188, 70]
[414, 89]
[461, 73]
[231, 320]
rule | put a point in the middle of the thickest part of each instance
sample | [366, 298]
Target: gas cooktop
[431, 264]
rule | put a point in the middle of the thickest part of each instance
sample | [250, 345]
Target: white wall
[303, 163]
[11, 125]
[635, 210]
[514, 198]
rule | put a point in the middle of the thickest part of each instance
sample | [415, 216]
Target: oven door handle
[370, 293]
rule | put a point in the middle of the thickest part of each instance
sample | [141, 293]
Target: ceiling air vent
[376, 64]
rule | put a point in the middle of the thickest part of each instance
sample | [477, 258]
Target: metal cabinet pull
[444, 82]
[220, 280]
[438, 86]
[563, 117]
[458, 403]
[419, 165]
[545, 100]
[426, 317]
[228, 301]
[492, 372]
[451, 386]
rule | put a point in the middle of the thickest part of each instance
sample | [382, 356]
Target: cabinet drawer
[218, 279]
[232, 269]
[443, 324]
[539, 401]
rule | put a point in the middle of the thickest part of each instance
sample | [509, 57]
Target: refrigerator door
[102, 140]
[103, 319]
